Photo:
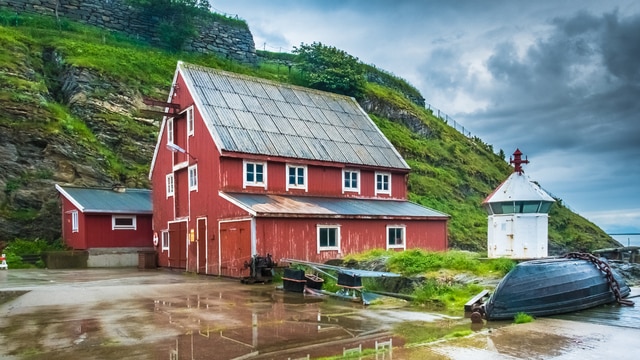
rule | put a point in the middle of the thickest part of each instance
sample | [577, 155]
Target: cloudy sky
[559, 79]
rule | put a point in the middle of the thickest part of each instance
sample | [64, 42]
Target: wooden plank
[151, 102]
[468, 307]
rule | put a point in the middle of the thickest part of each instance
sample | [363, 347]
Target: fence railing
[448, 120]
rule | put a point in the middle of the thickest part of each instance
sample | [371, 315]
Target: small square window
[328, 238]
[255, 174]
[396, 237]
[383, 183]
[123, 222]
[296, 177]
[351, 180]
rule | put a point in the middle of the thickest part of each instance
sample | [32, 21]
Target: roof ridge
[255, 78]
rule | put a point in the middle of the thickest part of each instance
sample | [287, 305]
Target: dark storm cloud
[621, 47]
[577, 86]
[560, 79]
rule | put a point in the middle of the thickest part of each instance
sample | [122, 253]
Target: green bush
[20, 247]
[330, 69]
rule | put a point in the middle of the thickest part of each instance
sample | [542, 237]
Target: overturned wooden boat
[549, 287]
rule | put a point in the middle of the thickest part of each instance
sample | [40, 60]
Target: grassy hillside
[70, 114]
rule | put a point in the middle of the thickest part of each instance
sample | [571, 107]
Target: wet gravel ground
[159, 314]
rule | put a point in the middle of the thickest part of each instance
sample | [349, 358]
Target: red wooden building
[106, 218]
[245, 166]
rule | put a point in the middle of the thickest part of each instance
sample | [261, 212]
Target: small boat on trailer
[550, 286]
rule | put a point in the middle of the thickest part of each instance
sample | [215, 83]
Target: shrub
[330, 69]
[20, 247]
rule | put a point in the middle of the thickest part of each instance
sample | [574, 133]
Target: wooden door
[178, 245]
[235, 248]
[202, 246]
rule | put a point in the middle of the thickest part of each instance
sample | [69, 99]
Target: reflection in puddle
[273, 326]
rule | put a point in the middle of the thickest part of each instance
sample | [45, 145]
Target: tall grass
[437, 273]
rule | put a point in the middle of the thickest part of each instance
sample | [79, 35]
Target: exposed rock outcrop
[81, 129]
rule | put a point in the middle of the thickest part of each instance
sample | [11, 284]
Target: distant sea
[627, 240]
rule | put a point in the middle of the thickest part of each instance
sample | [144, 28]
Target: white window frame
[165, 240]
[190, 121]
[404, 237]
[304, 177]
[170, 188]
[328, 248]
[246, 183]
[133, 225]
[344, 177]
[75, 224]
[388, 182]
[193, 177]
[170, 131]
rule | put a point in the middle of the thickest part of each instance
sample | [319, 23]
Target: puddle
[207, 318]
[134, 315]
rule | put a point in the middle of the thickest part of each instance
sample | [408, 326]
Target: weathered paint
[95, 230]
[177, 254]
[297, 238]
[233, 233]
[322, 180]
[235, 247]
[201, 238]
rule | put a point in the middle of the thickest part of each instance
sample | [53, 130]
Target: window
[519, 207]
[328, 238]
[255, 174]
[74, 221]
[351, 180]
[165, 240]
[383, 183]
[170, 185]
[170, 131]
[193, 178]
[123, 222]
[396, 237]
[296, 177]
[190, 121]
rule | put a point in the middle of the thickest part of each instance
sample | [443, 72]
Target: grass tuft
[522, 318]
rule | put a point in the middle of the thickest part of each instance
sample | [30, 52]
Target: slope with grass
[71, 100]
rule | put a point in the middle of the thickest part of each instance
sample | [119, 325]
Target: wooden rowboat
[551, 286]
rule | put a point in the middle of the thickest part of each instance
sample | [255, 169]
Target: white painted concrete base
[114, 257]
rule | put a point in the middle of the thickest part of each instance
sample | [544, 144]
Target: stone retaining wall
[227, 41]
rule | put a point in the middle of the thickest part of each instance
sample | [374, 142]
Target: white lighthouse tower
[518, 216]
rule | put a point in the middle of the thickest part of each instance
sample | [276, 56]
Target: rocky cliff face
[66, 125]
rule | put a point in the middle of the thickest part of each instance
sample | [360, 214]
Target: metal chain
[606, 269]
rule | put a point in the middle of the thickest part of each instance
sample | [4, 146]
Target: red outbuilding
[244, 166]
[98, 218]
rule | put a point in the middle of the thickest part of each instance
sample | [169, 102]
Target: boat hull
[551, 286]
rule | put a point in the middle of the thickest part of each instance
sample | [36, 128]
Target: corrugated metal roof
[277, 205]
[233, 103]
[94, 200]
